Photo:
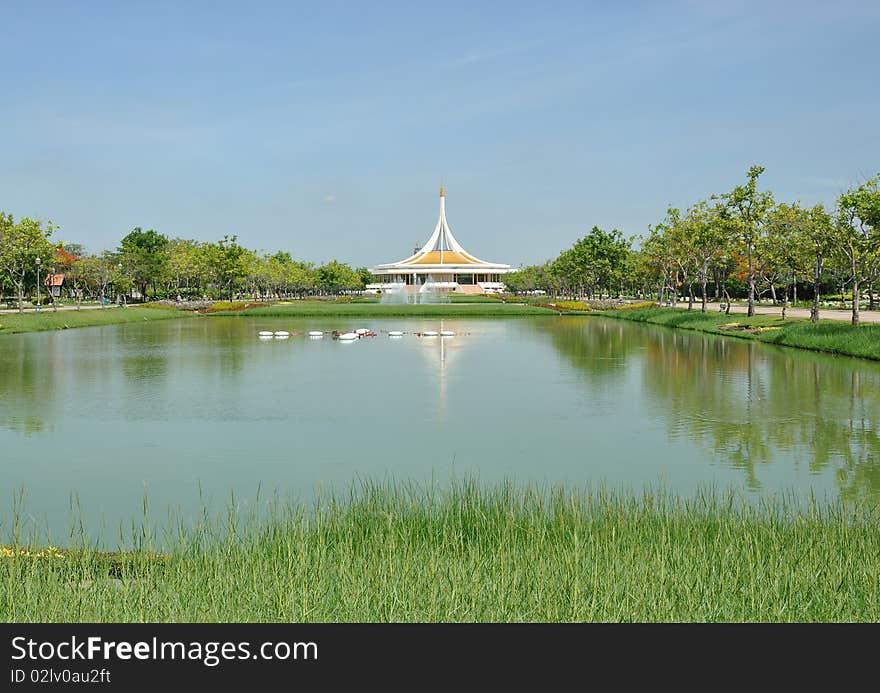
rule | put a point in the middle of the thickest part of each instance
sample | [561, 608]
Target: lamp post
[119, 267]
[37, 261]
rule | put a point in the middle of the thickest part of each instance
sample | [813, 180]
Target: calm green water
[193, 411]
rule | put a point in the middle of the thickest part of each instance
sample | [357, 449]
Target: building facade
[441, 265]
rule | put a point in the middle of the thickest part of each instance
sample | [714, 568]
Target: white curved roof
[442, 252]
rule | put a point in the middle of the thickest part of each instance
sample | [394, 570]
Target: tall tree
[21, 244]
[145, 256]
[183, 264]
[858, 236]
[337, 276]
[229, 264]
[800, 239]
[707, 239]
[99, 272]
[748, 208]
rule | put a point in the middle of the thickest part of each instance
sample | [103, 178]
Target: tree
[604, 254]
[659, 256]
[145, 255]
[748, 208]
[364, 276]
[184, 264]
[678, 237]
[594, 263]
[800, 239]
[98, 272]
[228, 263]
[567, 270]
[707, 239]
[336, 276]
[858, 236]
[76, 271]
[20, 245]
[523, 280]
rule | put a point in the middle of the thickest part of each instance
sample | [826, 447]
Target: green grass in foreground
[834, 337]
[446, 310]
[13, 323]
[508, 554]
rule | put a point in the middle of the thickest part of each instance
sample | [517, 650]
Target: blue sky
[326, 128]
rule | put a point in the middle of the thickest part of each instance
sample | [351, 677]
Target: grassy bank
[481, 309]
[14, 323]
[833, 337]
[508, 554]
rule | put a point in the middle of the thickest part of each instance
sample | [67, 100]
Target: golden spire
[442, 194]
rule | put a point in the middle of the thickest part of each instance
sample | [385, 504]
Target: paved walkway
[865, 316]
[48, 309]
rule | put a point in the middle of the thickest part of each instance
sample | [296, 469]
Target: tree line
[737, 244]
[151, 265]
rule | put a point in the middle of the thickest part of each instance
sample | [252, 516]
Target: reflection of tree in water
[597, 348]
[142, 353]
[120, 370]
[752, 402]
[26, 376]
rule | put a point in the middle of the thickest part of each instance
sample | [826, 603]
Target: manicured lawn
[13, 323]
[393, 553]
[833, 337]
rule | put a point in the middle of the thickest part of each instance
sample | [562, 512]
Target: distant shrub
[636, 306]
[168, 305]
[225, 306]
[571, 305]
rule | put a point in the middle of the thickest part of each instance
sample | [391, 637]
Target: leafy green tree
[677, 235]
[145, 256]
[336, 276]
[21, 244]
[364, 276]
[659, 256]
[858, 236]
[595, 263]
[799, 240]
[303, 277]
[706, 239]
[99, 272]
[748, 209]
[228, 263]
[524, 280]
[185, 265]
[607, 253]
[567, 270]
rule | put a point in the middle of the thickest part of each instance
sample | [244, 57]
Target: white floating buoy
[348, 337]
[429, 333]
[264, 337]
[395, 333]
[315, 333]
[282, 333]
[265, 333]
[447, 333]
[361, 330]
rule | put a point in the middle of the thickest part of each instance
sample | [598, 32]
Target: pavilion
[440, 265]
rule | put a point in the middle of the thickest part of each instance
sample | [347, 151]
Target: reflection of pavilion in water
[441, 353]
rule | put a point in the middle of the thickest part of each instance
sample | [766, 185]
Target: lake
[201, 412]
